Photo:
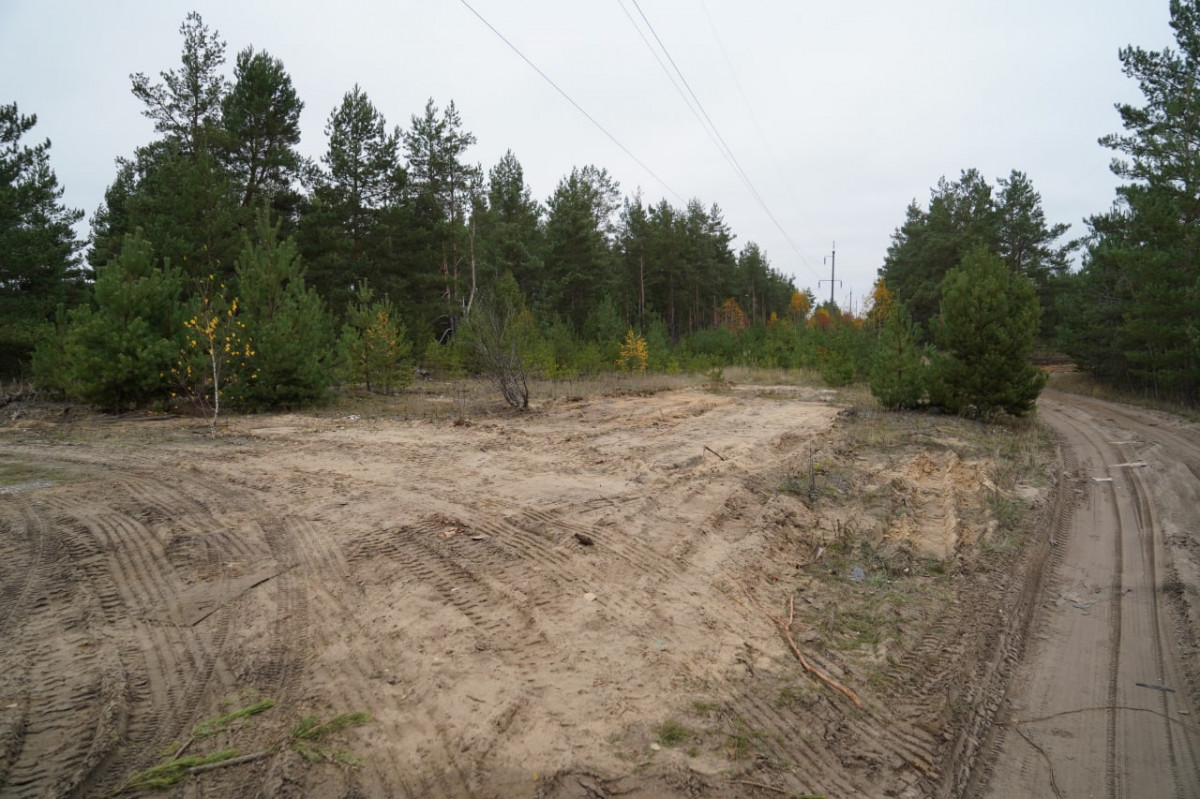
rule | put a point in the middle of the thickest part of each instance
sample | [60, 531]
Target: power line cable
[570, 100]
[762, 136]
[723, 146]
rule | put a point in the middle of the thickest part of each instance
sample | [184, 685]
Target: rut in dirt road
[1104, 704]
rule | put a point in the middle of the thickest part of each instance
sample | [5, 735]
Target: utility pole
[832, 259]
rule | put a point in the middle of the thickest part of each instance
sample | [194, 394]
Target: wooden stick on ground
[713, 451]
[785, 629]
[762, 785]
[233, 761]
[179, 752]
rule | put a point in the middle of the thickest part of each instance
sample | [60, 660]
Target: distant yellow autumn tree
[634, 353]
[798, 307]
[732, 317]
[883, 305]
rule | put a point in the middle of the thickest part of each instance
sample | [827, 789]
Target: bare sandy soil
[588, 600]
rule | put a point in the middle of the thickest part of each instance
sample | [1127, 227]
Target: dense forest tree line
[1131, 316]
[393, 247]
[399, 210]
[404, 209]
[1007, 220]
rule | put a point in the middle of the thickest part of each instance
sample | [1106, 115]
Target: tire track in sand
[65, 696]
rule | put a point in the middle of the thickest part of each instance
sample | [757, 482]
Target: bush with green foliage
[502, 337]
[987, 329]
[900, 367]
[374, 346]
[118, 354]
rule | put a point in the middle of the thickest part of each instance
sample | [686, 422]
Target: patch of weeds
[13, 473]
[1005, 510]
[864, 625]
[802, 486]
[211, 727]
[702, 706]
[744, 745]
[797, 695]
[882, 681]
[167, 774]
[744, 742]
[672, 733]
[877, 581]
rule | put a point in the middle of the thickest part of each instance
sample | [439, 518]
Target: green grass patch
[18, 473]
[672, 733]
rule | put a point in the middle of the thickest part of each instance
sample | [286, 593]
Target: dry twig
[785, 629]
[179, 752]
[781, 791]
[762, 785]
[234, 761]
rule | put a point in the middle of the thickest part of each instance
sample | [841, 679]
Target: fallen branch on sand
[781, 791]
[785, 629]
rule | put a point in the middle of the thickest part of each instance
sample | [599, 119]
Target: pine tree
[286, 321]
[176, 190]
[186, 105]
[509, 236]
[348, 230]
[900, 371]
[120, 353]
[38, 249]
[580, 263]
[260, 119]
[1028, 246]
[374, 345]
[964, 214]
[987, 328]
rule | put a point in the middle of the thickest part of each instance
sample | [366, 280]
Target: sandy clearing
[524, 604]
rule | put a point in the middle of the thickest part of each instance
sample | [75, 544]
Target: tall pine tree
[38, 249]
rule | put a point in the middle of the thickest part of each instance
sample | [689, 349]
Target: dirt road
[1104, 703]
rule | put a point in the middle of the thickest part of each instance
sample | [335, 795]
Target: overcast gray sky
[839, 113]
